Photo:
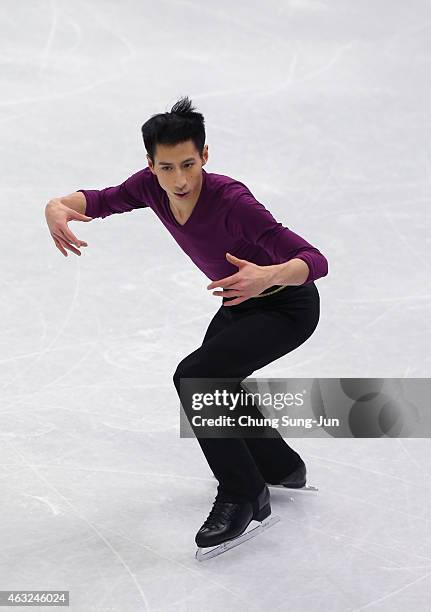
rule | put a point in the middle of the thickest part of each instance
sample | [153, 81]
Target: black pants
[239, 340]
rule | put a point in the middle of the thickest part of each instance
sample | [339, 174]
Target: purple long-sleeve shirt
[226, 218]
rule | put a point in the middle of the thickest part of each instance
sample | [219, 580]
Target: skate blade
[304, 488]
[247, 535]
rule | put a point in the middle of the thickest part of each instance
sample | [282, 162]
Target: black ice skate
[227, 522]
[295, 480]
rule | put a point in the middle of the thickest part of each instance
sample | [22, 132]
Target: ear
[205, 154]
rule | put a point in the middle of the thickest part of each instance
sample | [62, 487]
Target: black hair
[174, 127]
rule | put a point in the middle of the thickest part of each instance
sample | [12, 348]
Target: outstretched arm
[88, 204]
[130, 194]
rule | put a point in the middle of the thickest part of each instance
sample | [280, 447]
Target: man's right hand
[57, 216]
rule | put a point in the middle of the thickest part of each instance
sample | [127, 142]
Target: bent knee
[187, 369]
[202, 369]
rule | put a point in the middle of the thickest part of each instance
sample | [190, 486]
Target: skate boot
[226, 523]
[295, 480]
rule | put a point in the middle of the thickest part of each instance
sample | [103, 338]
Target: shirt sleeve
[132, 193]
[249, 219]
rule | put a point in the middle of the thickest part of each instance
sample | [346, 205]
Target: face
[179, 169]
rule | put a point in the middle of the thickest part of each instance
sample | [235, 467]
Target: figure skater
[263, 272]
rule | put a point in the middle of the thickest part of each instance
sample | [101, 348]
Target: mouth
[182, 195]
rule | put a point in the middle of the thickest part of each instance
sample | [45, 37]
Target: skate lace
[219, 512]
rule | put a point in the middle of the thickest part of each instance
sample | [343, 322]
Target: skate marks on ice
[248, 534]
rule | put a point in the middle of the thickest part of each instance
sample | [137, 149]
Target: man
[270, 303]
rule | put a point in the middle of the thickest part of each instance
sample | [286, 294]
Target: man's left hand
[249, 281]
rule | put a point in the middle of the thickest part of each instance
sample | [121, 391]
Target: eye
[168, 167]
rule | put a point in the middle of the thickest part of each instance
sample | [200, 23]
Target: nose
[179, 181]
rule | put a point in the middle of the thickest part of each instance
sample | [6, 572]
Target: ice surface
[322, 109]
